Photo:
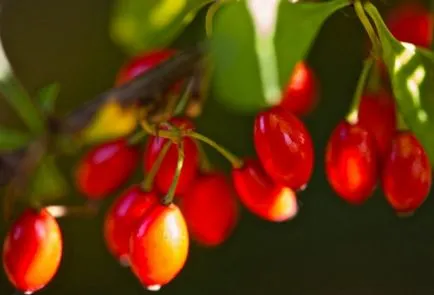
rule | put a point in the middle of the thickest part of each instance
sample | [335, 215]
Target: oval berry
[407, 173]
[142, 63]
[260, 195]
[411, 23]
[164, 176]
[159, 246]
[210, 209]
[351, 162]
[284, 147]
[122, 218]
[32, 250]
[105, 168]
[377, 114]
[300, 95]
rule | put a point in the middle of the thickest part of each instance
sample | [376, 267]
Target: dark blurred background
[329, 248]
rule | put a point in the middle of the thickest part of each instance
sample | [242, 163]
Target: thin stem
[210, 16]
[168, 199]
[360, 11]
[137, 137]
[182, 103]
[352, 116]
[149, 180]
[205, 163]
[151, 129]
[234, 160]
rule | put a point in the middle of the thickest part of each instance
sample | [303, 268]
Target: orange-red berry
[32, 250]
[261, 196]
[159, 246]
[210, 209]
[407, 174]
[122, 218]
[105, 168]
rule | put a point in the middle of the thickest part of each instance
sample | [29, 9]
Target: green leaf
[48, 183]
[17, 97]
[139, 25]
[256, 44]
[12, 139]
[411, 72]
[47, 97]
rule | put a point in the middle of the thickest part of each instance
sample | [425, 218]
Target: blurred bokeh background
[329, 248]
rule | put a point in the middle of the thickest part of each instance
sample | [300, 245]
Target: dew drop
[154, 288]
[28, 292]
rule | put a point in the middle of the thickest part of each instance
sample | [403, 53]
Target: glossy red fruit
[122, 218]
[260, 195]
[142, 63]
[159, 246]
[210, 209]
[351, 162]
[412, 23]
[284, 147]
[105, 168]
[165, 174]
[32, 250]
[407, 174]
[300, 96]
[377, 114]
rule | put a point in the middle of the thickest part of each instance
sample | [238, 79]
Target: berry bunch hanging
[182, 197]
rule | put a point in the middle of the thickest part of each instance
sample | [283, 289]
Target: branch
[146, 89]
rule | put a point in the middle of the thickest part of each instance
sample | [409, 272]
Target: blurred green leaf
[47, 97]
[48, 183]
[139, 25]
[297, 27]
[12, 139]
[411, 71]
[17, 97]
[255, 46]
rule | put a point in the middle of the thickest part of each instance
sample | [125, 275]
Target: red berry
[210, 209]
[351, 162]
[123, 217]
[406, 174]
[284, 147]
[165, 174]
[261, 195]
[300, 96]
[412, 23]
[159, 246]
[142, 63]
[32, 250]
[377, 114]
[105, 168]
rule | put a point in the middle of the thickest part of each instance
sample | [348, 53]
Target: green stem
[360, 11]
[361, 84]
[234, 160]
[205, 163]
[186, 93]
[168, 199]
[137, 137]
[149, 180]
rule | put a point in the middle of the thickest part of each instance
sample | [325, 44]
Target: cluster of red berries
[150, 231]
[360, 153]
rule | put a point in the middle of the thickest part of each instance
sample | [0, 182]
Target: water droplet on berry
[154, 288]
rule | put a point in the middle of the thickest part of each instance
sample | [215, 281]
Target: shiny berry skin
[159, 246]
[142, 63]
[300, 95]
[105, 168]
[411, 23]
[407, 175]
[165, 174]
[210, 209]
[351, 162]
[32, 250]
[261, 196]
[377, 114]
[122, 218]
[284, 147]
